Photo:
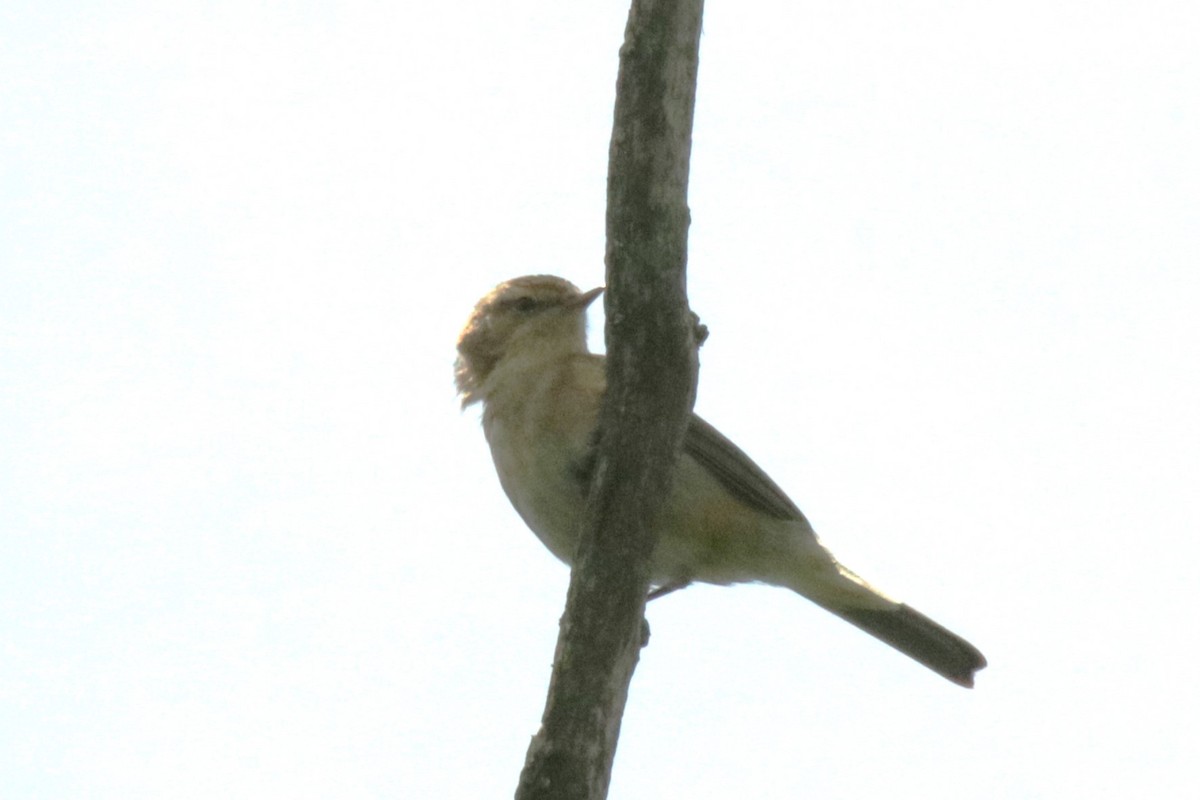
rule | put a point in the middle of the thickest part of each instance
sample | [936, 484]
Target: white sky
[249, 547]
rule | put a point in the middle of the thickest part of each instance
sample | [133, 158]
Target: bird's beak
[587, 297]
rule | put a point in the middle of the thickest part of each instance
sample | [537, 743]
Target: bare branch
[651, 387]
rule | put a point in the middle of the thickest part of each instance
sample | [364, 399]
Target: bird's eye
[525, 304]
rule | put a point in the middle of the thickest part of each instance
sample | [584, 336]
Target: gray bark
[650, 338]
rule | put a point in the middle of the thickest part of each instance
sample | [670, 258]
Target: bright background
[949, 255]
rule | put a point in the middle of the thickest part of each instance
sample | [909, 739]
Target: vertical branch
[651, 387]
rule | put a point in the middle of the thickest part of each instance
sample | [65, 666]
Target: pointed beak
[588, 297]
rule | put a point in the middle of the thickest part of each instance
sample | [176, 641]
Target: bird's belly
[705, 534]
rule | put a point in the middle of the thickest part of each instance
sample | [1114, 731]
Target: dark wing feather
[744, 479]
[902, 627]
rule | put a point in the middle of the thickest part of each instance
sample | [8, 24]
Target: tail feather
[921, 639]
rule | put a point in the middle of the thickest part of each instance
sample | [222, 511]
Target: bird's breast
[536, 470]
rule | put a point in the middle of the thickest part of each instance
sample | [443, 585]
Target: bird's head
[531, 312]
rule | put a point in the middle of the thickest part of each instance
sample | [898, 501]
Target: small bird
[523, 355]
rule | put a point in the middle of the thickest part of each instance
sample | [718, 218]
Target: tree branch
[651, 371]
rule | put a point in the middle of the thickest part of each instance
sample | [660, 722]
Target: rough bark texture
[651, 388]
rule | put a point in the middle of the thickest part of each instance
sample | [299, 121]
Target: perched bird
[523, 354]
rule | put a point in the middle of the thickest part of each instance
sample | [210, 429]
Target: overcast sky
[949, 257]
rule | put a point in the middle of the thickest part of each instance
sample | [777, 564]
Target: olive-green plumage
[523, 354]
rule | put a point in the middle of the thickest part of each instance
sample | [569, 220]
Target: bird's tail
[919, 638]
[835, 588]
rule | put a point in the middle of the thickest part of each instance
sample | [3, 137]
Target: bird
[523, 355]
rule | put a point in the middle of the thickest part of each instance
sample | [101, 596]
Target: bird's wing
[744, 479]
[899, 625]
